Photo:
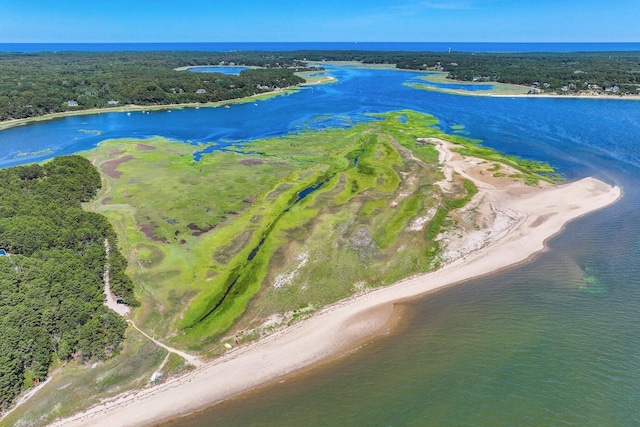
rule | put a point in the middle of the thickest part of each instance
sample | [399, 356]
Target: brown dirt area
[251, 162]
[110, 166]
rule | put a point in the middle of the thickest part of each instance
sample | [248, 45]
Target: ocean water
[288, 46]
[535, 345]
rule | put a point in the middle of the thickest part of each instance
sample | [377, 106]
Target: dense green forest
[594, 72]
[51, 283]
[41, 83]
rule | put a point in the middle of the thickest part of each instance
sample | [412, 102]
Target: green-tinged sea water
[526, 347]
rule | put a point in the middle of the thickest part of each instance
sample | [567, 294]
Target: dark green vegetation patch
[51, 280]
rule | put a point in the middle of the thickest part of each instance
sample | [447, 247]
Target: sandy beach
[515, 220]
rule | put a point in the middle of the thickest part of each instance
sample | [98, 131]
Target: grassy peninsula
[276, 227]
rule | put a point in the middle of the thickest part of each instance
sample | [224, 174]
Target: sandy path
[124, 310]
[190, 358]
[28, 395]
[110, 299]
[536, 215]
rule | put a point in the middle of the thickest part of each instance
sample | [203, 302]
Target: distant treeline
[34, 84]
[51, 283]
[562, 73]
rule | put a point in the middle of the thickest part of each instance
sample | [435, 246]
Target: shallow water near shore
[524, 347]
[529, 346]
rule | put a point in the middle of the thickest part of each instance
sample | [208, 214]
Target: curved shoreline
[519, 91]
[492, 94]
[8, 124]
[538, 214]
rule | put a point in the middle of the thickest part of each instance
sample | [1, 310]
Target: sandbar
[521, 218]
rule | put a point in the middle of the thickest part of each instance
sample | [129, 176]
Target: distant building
[201, 91]
[113, 102]
[72, 103]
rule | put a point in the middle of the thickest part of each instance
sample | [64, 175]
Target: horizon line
[325, 41]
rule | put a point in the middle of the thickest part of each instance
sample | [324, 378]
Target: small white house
[201, 91]
[72, 103]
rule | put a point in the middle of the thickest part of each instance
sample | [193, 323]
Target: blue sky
[37, 21]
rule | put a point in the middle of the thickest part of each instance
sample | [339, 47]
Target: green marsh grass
[191, 229]
[187, 227]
